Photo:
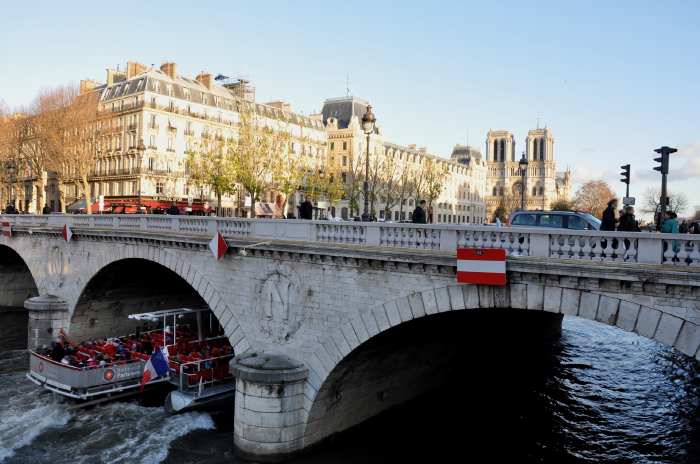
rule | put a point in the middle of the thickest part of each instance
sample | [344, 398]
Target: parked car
[575, 220]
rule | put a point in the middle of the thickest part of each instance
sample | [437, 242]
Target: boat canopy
[156, 315]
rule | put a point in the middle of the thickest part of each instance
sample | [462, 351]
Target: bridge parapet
[623, 247]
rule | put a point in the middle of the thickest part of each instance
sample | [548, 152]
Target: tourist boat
[197, 363]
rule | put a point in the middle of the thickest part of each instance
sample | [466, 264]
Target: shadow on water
[13, 328]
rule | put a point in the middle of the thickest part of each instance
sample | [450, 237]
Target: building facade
[150, 119]
[461, 198]
[541, 184]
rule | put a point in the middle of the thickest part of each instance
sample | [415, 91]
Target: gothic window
[495, 150]
[541, 191]
[541, 150]
[503, 150]
[495, 192]
[534, 191]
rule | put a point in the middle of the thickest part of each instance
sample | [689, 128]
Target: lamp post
[368, 122]
[141, 149]
[523, 172]
[11, 171]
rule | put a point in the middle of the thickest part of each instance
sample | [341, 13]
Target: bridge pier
[269, 414]
[47, 314]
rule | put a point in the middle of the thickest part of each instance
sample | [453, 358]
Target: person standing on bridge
[628, 223]
[306, 209]
[610, 219]
[419, 216]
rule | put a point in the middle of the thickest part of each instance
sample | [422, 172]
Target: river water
[596, 395]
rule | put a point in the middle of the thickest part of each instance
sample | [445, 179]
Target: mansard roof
[343, 109]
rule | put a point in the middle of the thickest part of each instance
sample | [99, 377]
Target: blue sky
[613, 80]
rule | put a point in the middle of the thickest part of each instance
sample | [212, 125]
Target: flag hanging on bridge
[7, 229]
[485, 266]
[218, 245]
[66, 233]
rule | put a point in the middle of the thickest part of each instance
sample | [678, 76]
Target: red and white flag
[6, 229]
[485, 266]
[66, 233]
[218, 245]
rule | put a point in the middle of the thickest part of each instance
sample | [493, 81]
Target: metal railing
[619, 247]
[196, 376]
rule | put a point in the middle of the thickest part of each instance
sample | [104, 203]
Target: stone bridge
[335, 322]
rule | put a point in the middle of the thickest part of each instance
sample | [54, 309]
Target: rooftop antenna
[347, 84]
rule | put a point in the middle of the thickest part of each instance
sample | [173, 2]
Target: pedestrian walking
[670, 226]
[609, 219]
[306, 209]
[419, 215]
[627, 222]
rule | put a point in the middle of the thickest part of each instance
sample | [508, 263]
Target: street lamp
[368, 122]
[141, 150]
[11, 170]
[523, 172]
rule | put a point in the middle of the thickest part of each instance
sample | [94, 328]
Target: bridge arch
[652, 323]
[186, 271]
[17, 281]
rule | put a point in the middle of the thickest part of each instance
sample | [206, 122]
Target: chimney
[169, 68]
[280, 105]
[114, 76]
[134, 69]
[204, 79]
[87, 85]
[412, 146]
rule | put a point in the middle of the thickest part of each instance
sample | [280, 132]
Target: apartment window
[345, 160]
[152, 141]
[159, 188]
[150, 163]
[332, 146]
[186, 92]
[152, 122]
[169, 90]
[396, 215]
[344, 176]
[345, 145]
[171, 144]
[381, 214]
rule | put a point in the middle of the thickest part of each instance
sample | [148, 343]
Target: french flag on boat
[157, 366]
[485, 266]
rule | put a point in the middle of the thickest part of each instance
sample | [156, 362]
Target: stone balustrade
[621, 247]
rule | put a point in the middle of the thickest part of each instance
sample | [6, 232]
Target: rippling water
[597, 395]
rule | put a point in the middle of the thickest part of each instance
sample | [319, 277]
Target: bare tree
[354, 176]
[593, 197]
[435, 175]
[389, 180]
[211, 164]
[652, 202]
[69, 135]
[255, 152]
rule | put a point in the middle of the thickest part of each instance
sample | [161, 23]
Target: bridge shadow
[126, 287]
[16, 285]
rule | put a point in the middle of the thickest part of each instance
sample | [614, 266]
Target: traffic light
[663, 163]
[663, 159]
[625, 174]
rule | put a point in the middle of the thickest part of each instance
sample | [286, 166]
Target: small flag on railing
[6, 229]
[218, 245]
[485, 266]
[66, 233]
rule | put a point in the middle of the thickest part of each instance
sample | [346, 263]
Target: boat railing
[196, 376]
[82, 382]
